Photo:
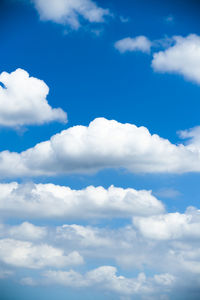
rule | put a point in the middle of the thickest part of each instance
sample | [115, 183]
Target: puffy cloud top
[23, 101]
[182, 58]
[104, 144]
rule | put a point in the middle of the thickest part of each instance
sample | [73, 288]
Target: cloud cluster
[53, 201]
[105, 278]
[181, 55]
[139, 43]
[23, 101]
[70, 12]
[168, 241]
[104, 144]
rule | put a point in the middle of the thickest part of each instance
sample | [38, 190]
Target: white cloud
[23, 101]
[170, 226]
[27, 231]
[103, 144]
[70, 12]
[53, 201]
[181, 58]
[139, 43]
[85, 236]
[164, 279]
[172, 260]
[27, 255]
[106, 278]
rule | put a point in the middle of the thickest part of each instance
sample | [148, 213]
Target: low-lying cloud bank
[171, 254]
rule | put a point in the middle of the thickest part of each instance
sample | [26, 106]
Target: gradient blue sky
[88, 78]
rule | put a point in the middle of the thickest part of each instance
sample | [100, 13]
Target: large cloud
[104, 144]
[23, 101]
[70, 12]
[182, 58]
[53, 201]
[172, 260]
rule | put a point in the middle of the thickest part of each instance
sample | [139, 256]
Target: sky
[99, 149]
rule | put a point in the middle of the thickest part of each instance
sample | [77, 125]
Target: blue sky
[101, 200]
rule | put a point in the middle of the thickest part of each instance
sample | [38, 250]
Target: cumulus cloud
[28, 255]
[170, 226]
[103, 144]
[172, 256]
[23, 101]
[53, 201]
[70, 12]
[139, 43]
[169, 242]
[183, 58]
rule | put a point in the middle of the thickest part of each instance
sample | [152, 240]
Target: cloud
[103, 144]
[105, 277]
[172, 260]
[182, 58]
[70, 12]
[170, 226]
[169, 242]
[27, 255]
[53, 201]
[23, 101]
[139, 43]
[27, 231]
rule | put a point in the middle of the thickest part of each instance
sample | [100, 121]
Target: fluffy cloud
[139, 43]
[182, 58]
[27, 255]
[26, 231]
[106, 278]
[53, 201]
[23, 101]
[170, 226]
[173, 260]
[103, 144]
[170, 242]
[70, 12]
